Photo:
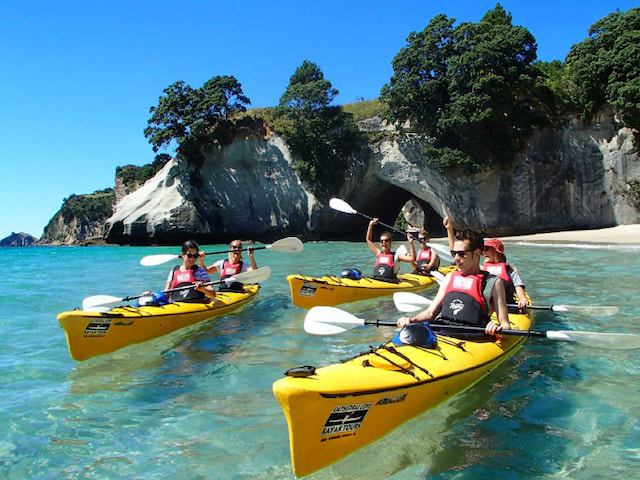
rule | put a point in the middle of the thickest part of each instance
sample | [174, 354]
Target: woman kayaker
[231, 266]
[386, 266]
[468, 295]
[495, 262]
[427, 259]
[189, 274]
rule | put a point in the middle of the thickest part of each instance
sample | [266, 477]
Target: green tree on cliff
[321, 136]
[472, 88]
[605, 68]
[193, 118]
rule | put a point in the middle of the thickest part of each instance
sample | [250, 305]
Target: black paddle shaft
[437, 327]
[229, 251]
[391, 228]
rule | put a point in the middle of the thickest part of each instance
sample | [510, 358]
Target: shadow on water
[194, 350]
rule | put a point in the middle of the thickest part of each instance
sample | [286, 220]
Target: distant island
[18, 240]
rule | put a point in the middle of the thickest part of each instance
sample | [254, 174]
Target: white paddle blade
[605, 311]
[438, 276]
[152, 260]
[329, 321]
[341, 206]
[100, 303]
[614, 341]
[252, 276]
[410, 302]
[443, 252]
[287, 245]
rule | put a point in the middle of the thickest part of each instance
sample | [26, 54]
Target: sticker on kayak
[97, 327]
[307, 290]
[345, 418]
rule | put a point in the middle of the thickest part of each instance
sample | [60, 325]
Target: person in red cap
[495, 262]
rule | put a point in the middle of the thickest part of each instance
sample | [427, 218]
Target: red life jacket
[502, 270]
[466, 299]
[384, 267]
[229, 269]
[182, 278]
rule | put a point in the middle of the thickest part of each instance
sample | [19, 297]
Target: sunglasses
[191, 255]
[384, 240]
[236, 247]
[462, 253]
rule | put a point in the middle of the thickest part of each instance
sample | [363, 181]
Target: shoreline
[618, 235]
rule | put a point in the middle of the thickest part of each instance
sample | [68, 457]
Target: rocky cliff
[18, 240]
[576, 177]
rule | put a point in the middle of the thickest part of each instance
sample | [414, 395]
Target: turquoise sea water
[197, 404]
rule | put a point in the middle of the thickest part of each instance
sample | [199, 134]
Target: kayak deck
[343, 407]
[308, 292]
[95, 333]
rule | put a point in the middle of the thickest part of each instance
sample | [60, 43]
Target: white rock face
[248, 190]
[566, 179]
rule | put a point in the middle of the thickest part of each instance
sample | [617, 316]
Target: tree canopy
[194, 117]
[605, 68]
[472, 88]
[322, 137]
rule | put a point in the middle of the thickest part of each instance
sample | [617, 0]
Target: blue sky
[77, 78]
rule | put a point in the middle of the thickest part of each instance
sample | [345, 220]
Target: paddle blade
[100, 303]
[604, 311]
[329, 321]
[151, 260]
[252, 276]
[287, 245]
[438, 276]
[401, 250]
[341, 206]
[410, 302]
[614, 341]
[443, 252]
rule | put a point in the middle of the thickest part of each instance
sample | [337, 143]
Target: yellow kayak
[307, 292]
[95, 333]
[333, 411]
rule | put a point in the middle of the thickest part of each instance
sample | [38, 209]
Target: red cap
[495, 243]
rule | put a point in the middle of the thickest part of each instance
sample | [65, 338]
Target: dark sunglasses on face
[462, 253]
[191, 255]
[384, 240]
[236, 247]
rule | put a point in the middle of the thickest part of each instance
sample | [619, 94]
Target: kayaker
[468, 295]
[189, 274]
[232, 265]
[427, 259]
[495, 262]
[386, 266]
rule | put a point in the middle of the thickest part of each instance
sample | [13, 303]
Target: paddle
[344, 207]
[287, 245]
[411, 302]
[101, 303]
[331, 320]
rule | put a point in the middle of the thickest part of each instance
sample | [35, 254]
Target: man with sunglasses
[189, 274]
[231, 266]
[386, 267]
[468, 295]
[426, 259]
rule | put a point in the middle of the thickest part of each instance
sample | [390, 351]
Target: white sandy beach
[622, 234]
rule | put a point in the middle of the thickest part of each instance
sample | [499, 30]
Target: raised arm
[252, 258]
[446, 221]
[369, 238]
